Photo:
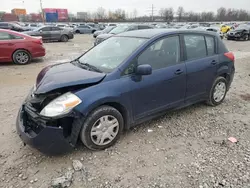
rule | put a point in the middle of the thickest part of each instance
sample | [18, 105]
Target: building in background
[35, 17]
[19, 11]
[8, 17]
[82, 15]
[56, 14]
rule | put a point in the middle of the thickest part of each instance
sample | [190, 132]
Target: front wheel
[218, 92]
[246, 38]
[102, 128]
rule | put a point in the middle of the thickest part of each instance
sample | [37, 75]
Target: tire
[93, 31]
[92, 125]
[21, 57]
[214, 98]
[64, 38]
[78, 32]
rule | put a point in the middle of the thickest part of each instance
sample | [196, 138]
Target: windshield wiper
[86, 66]
[92, 67]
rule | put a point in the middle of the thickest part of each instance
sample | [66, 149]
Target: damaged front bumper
[51, 136]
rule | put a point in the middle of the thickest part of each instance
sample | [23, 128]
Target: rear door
[201, 61]
[45, 33]
[6, 46]
[55, 33]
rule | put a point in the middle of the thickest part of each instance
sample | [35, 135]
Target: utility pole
[152, 11]
[41, 6]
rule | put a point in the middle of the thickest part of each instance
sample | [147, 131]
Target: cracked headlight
[61, 105]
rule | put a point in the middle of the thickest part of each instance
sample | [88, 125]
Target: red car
[19, 48]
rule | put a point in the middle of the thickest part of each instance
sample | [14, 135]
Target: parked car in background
[242, 32]
[215, 29]
[12, 26]
[225, 28]
[126, 80]
[120, 29]
[19, 48]
[96, 26]
[32, 26]
[84, 29]
[106, 30]
[52, 33]
[65, 26]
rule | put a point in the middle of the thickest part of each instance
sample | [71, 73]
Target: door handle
[178, 72]
[214, 62]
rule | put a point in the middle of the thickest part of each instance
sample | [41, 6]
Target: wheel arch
[21, 49]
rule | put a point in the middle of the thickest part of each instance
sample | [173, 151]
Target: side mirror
[144, 70]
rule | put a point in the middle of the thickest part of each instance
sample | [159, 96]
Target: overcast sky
[129, 5]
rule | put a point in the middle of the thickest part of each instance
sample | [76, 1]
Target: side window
[143, 27]
[56, 29]
[162, 53]
[210, 45]
[133, 28]
[46, 29]
[195, 46]
[4, 36]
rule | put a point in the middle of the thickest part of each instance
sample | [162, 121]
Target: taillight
[38, 41]
[230, 56]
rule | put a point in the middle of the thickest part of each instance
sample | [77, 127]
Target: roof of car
[150, 33]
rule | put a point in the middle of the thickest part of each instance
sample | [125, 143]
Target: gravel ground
[185, 148]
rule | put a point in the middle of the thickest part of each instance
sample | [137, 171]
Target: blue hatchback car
[126, 80]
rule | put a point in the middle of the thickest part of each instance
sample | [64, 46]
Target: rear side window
[4, 24]
[195, 46]
[4, 36]
[56, 29]
[46, 29]
[143, 27]
[210, 45]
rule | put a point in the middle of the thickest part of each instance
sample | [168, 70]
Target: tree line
[222, 14]
[169, 15]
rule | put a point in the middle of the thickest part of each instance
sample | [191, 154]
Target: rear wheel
[64, 38]
[102, 128]
[21, 57]
[78, 32]
[246, 38]
[218, 92]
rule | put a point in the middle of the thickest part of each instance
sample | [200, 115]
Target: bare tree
[180, 13]
[135, 13]
[100, 13]
[221, 14]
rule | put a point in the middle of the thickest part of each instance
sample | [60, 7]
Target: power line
[152, 11]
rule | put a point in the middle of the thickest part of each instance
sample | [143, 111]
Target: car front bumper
[33, 129]
[234, 37]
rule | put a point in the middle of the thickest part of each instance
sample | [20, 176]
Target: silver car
[83, 29]
[106, 30]
[52, 33]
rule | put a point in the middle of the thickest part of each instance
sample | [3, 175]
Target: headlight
[61, 105]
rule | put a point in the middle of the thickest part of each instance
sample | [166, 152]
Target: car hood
[105, 36]
[65, 75]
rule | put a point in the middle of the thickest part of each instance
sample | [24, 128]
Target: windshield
[107, 55]
[120, 29]
[108, 29]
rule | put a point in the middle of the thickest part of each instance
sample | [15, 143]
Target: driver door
[45, 33]
[165, 88]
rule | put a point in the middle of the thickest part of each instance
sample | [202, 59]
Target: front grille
[31, 121]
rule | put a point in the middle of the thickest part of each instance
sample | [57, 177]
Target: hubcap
[22, 57]
[219, 91]
[104, 130]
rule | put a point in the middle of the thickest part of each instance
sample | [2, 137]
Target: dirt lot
[186, 148]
